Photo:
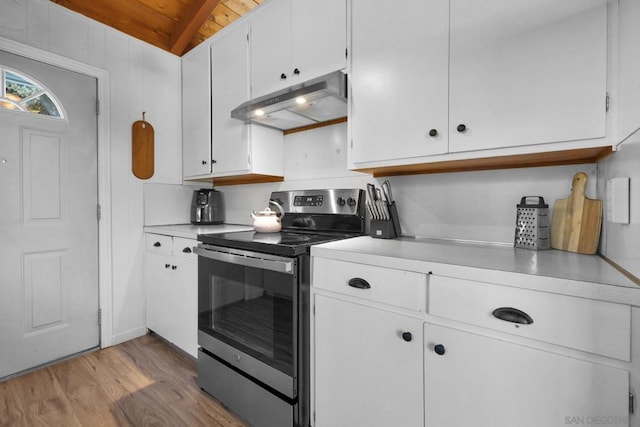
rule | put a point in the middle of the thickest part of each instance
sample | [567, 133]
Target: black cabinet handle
[461, 128]
[433, 132]
[187, 250]
[407, 336]
[283, 76]
[513, 315]
[359, 283]
[157, 245]
[296, 71]
[439, 349]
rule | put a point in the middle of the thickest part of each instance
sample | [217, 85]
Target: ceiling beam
[193, 19]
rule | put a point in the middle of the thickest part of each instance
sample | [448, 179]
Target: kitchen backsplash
[476, 206]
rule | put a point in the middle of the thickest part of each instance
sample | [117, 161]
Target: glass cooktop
[288, 243]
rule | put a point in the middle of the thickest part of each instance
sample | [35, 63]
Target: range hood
[314, 101]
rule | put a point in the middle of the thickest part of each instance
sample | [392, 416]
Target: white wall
[142, 78]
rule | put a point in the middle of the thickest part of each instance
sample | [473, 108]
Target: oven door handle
[249, 261]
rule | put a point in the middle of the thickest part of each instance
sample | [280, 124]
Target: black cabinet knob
[167, 265]
[439, 349]
[433, 132]
[157, 245]
[407, 336]
[174, 267]
[213, 161]
[296, 71]
[187, 250]
[461, 128]
[204, 162]
[283, 76]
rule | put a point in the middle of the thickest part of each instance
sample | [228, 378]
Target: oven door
[248, 311]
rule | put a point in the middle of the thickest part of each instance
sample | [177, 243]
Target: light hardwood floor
[143, 382]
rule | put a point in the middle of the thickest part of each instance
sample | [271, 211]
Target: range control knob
[351, 201]
[341, 201]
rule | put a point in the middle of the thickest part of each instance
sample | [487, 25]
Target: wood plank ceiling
[176, 26]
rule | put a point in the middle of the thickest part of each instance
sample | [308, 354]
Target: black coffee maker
[207, 207]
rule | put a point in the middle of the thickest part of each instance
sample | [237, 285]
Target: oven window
[251, 309]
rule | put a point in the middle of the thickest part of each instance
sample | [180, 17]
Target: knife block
[386, 229]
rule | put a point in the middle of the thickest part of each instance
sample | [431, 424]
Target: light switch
[618, 200]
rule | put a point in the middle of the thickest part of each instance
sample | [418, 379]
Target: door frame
[105, 279]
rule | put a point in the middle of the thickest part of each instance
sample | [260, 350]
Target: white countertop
[552, 270]
[190, 231]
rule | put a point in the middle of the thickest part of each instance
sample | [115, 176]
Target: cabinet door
[527, 72]
[271, 48]
[365, 373]
[184, 313]
[319, 38]
[230, 83]
[160, 294]
[196, 113]
[482, 381]
[399, 80]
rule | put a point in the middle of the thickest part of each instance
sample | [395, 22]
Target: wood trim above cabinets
[554, 158]
[240, 179]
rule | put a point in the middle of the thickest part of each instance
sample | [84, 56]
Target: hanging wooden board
[576, 221]
[142, 158]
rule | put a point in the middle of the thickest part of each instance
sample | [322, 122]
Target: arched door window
[21, 93]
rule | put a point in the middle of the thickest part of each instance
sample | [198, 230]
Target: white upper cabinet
[456, 77]
[296, 40]
[196, 113]
[398, 80]
[527, 72]
[238, 148]
[215, 81]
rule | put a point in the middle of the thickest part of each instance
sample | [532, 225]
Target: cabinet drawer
[395, 287]
[158, 243]
[183, 248]
[594, 326]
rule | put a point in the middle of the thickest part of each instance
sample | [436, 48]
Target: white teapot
[268, 221]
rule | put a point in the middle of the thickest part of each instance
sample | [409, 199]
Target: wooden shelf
[554, 158]
[240, 179]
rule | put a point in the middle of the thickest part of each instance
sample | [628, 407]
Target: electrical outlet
[618, 200]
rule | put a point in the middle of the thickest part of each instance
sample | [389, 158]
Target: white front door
[48, 222]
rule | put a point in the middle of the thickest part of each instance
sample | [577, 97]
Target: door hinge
[98, 212]
[99, 317]
[632, 402]
[97, 107]
[606, 103]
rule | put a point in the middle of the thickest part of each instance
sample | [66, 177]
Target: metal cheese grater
[532, 224]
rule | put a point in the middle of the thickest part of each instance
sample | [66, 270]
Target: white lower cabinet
[171, 276]
[475, 380]
[394, 347]
[367, 366]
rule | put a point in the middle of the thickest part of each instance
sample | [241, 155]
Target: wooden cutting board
[576, 221]
[142, 159]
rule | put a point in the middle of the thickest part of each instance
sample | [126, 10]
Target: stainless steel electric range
[253, 306]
